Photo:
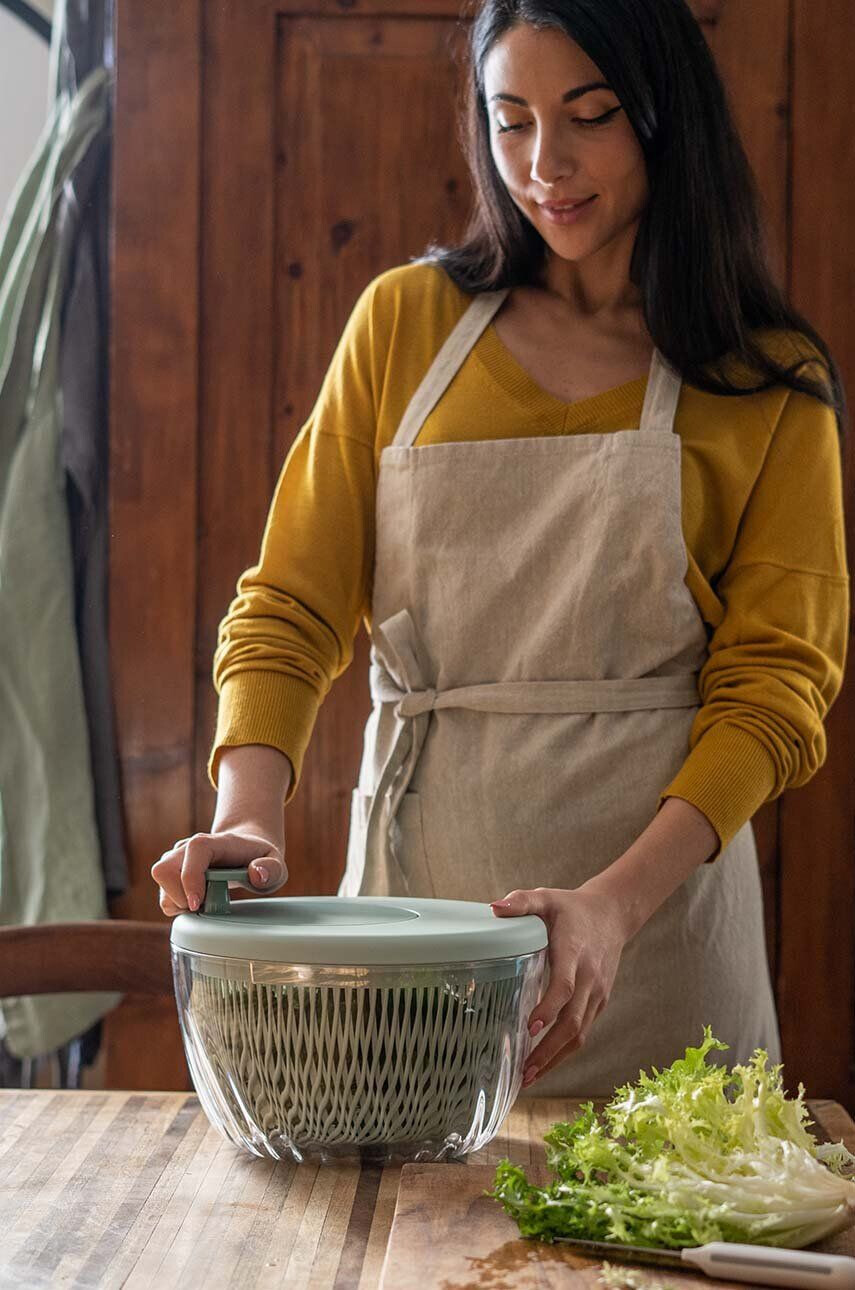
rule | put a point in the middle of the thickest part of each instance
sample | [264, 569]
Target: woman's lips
[570, 215]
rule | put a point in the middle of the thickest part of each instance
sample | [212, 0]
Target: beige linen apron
[534, 663]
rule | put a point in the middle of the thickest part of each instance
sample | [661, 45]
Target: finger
[562, 969]
[565, 1032]
[217, 849]
[535, 900]
[561, 981]
[169, 907]
[592, 1011]
[167, 874]
[565, 1052]
[205, 850]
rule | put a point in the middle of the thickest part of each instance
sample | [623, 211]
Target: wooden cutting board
[447, 1235]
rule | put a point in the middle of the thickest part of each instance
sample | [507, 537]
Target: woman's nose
[548, 168]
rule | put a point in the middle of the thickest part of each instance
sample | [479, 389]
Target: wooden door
[271, 158]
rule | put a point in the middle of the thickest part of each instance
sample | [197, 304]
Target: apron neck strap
[449, 358]
[660, 397]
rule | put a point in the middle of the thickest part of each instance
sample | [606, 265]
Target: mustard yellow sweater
[762, 515]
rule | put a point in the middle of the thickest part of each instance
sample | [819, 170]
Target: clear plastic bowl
[386, 1064]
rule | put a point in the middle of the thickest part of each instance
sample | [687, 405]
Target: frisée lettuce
[689, 1154]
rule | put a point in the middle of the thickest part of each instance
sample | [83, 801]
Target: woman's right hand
[180, 871]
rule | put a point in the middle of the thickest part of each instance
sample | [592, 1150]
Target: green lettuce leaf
[689, 1154]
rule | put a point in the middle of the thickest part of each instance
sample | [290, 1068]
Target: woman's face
[548, 150]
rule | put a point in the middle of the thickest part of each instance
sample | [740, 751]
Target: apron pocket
[363, 877]
[414, 858]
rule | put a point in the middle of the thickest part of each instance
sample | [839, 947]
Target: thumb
[268, 871]
[519, 902]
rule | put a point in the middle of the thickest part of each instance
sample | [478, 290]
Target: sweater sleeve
[289, 631]
[776, 660]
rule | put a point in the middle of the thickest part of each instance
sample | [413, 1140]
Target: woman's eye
[579, 120]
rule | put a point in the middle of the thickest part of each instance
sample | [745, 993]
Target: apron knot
[415, 703]
[399, 663]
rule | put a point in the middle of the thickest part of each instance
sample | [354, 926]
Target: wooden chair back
[126, 955]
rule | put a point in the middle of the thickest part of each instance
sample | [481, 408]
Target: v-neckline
[518, 382]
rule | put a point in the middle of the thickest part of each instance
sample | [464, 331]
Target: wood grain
[817, 968]
[134, 1190]
[446, 1232]
[102, 954]
[153, 471]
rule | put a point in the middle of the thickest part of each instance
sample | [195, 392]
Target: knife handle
[772, 1266]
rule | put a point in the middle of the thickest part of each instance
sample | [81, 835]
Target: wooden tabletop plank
[446, 1232]
[143, 1227]
[138, 1190]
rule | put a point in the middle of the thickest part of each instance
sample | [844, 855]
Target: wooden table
[129, 1189]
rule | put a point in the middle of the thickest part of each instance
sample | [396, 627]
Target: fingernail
[536, 1028]
[263, 872]
[529, 1075]
[193, 902]
[500, 904]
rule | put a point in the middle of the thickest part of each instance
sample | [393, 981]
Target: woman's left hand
[586, 939]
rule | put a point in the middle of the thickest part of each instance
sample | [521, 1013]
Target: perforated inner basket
[355, 1057]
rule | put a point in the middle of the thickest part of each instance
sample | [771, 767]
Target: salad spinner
[384, 1028]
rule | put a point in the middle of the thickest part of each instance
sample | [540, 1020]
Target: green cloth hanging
[50, 868]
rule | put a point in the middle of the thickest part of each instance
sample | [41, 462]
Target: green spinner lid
[351, 930]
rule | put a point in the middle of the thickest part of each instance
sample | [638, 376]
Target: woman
[581, 476]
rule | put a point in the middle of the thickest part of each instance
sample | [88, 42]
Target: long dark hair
[700, 258]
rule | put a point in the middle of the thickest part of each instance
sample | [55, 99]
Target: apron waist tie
[399, 670]
[559, 697]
